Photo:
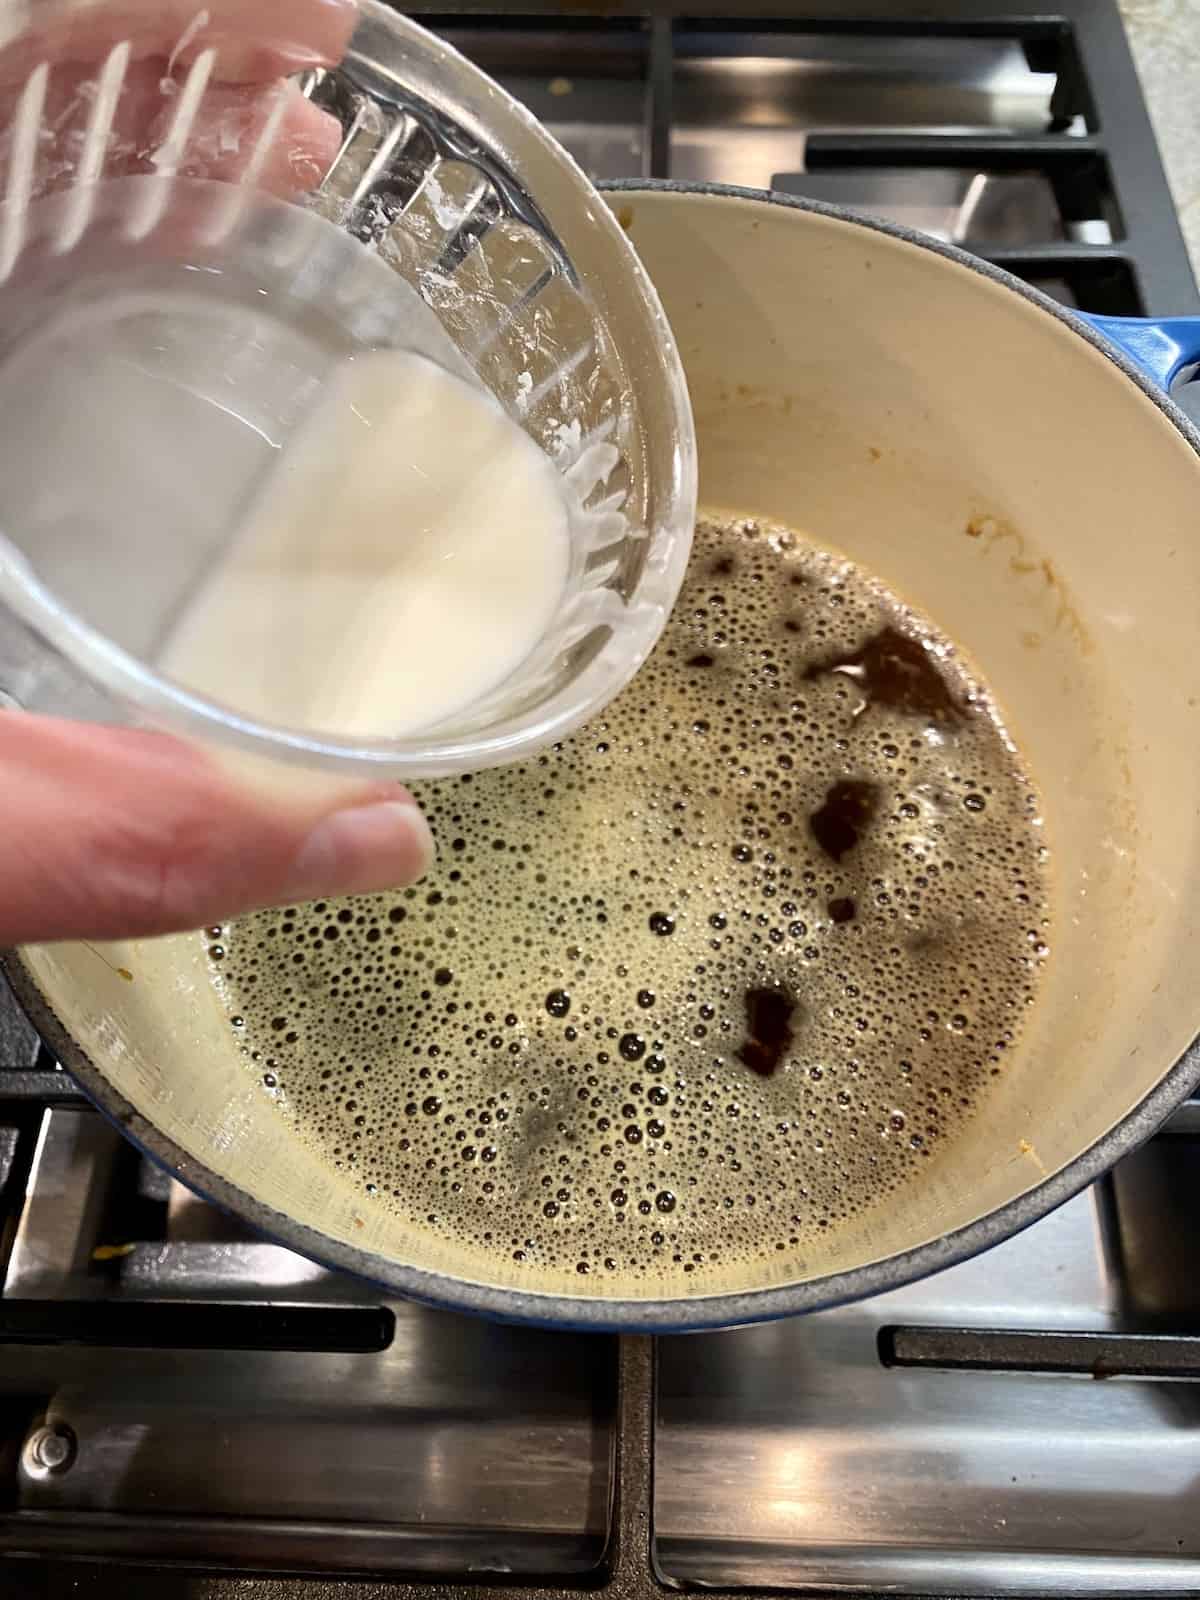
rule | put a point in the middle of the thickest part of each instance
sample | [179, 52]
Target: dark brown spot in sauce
[699, 660]
[843, 909]
[768, 1028]
[847, 810]
[894, 670]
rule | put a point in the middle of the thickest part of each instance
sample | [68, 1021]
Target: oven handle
[1160, 346]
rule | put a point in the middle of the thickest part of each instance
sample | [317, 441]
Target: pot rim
[704, 1312]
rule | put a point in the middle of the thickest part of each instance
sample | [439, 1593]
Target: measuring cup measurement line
[167, 158]
[26, 130]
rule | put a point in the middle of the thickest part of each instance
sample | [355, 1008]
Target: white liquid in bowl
[266, 470]
[407, 551]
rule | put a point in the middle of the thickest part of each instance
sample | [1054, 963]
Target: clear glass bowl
[394, 196]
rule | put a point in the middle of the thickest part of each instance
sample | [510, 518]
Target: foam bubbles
[697, 986]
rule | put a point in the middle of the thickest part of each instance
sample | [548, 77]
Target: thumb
[112, 832]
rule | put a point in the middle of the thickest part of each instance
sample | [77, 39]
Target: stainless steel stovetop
[175, 1395]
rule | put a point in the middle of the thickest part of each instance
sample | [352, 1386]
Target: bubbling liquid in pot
[713, 977]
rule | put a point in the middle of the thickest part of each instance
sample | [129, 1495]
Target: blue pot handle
[1160, 346]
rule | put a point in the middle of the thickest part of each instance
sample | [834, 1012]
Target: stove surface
[983, 1432]
[178, 1395]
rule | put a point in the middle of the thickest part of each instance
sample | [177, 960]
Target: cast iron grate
[1095, 149]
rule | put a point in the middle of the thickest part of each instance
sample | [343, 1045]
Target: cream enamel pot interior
[1009, 472]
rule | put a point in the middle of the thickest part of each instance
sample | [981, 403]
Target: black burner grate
[638, 69]
[28, 1072]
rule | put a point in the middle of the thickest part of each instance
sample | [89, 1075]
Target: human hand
[115, 832]
[112, 832]
[245, 49]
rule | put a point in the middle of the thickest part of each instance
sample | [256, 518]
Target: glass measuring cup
[244, 217]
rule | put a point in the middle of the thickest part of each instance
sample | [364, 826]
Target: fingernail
[361, 850]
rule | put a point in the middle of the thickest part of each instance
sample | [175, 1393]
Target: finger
[222, 142]
[224, 139]
[264, 39]
[233, 118]
[255, 40]
[112, 833]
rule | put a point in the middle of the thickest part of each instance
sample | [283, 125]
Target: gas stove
[188, 1411]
